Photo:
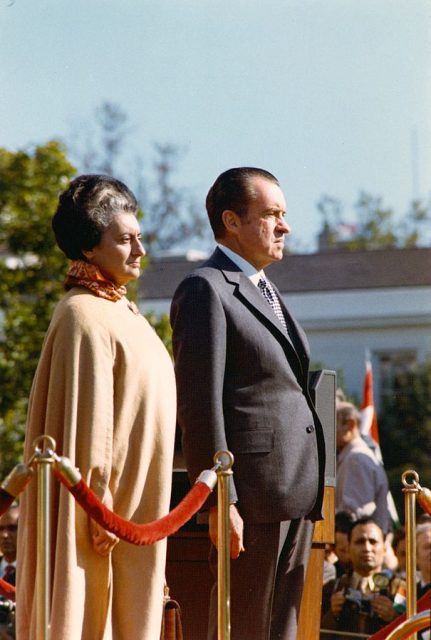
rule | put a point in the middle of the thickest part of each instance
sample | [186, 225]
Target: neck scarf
[84, 274]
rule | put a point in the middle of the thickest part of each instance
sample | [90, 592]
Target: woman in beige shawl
[104, 390]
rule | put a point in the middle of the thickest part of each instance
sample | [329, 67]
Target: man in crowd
[361, 601]
[241, 364]
[423, 559]
[362, 485]
[8, 537]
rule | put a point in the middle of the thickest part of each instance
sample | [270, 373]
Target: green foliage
[162, 327]
[405, 429]
[376, 226]
[31, 270]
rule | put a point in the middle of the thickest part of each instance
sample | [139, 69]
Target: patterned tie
[271, 297]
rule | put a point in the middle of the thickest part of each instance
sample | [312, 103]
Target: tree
[405, 428]
[416, 224]
[30, 277]
[375, 227]
[171, 217]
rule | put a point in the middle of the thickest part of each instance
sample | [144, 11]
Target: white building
[347, 302]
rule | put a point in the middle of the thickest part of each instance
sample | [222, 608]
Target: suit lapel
[251, 297]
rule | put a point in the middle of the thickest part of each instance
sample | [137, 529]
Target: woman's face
[118, 254]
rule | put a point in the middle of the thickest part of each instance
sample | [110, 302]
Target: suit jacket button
[310, 428]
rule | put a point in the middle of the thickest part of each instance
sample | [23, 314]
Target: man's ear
[230, 220]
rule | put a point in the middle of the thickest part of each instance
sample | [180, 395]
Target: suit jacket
[242, 386]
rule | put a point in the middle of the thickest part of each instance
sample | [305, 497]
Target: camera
[361, 602]
[358, 601]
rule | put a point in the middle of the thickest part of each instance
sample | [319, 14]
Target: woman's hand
[103, 541]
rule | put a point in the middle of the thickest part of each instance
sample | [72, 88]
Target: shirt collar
[248, 269]
[4, 563]
[357, 579]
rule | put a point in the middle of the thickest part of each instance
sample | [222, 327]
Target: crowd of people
[106, 390]
[364, 581]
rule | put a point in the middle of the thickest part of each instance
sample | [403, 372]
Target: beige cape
[105, 391]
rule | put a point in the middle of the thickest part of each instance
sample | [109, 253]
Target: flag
[368, 425]
[369, 428]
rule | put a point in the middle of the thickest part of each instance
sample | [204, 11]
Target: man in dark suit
[241, 364]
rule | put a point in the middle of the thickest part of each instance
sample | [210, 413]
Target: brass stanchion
[224, 462]
[410, 491]
[43, 461]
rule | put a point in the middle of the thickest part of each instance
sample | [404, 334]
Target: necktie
[364, 585]
[270, 296]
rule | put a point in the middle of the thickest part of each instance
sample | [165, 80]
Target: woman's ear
[230, 220]
[88, 254]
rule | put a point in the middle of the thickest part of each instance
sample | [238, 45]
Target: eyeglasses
[10, 528]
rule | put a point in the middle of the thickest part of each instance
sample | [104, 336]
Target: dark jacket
[243, 386]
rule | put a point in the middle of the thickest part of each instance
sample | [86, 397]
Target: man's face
[8, 534]
[366, 548]
[260, 233]
[423, 554]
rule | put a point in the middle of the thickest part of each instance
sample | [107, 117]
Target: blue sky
[333, 96]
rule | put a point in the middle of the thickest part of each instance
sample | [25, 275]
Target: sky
[332, 96]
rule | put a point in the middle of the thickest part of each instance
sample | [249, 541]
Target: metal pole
[410, 491]
[224, 460]
[43, 462]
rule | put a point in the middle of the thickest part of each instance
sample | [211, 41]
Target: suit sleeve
[199, 343]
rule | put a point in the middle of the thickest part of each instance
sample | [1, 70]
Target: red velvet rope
[424, 500]
[139, 534]
[7, 590]
[5, 501]
[423, 603]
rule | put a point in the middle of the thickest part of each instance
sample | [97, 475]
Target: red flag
[369, 429]
[368, 413]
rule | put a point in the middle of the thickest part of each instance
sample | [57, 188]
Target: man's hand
[236, 527]
[382, 606]
[337, 602]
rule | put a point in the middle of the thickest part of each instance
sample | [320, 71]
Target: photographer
[361, 601]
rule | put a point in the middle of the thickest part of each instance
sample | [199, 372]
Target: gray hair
[86, 209]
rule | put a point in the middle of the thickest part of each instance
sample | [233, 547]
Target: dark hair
[232, 190]
[344, 521]
[399, 535]
[86, 209]
[361, 522]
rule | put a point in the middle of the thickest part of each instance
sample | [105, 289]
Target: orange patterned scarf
[84, 274]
